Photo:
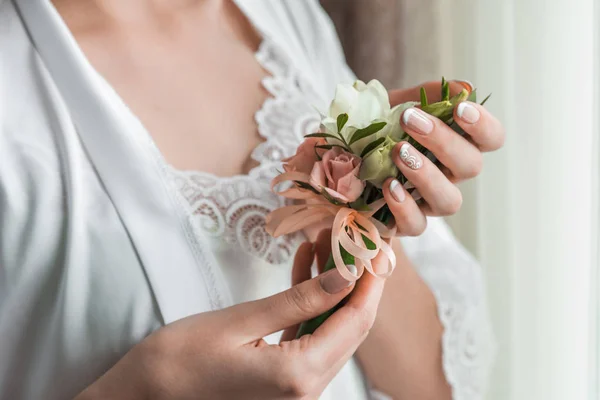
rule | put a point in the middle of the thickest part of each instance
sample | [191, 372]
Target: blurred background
[532, 218]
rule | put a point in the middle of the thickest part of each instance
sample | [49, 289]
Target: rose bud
[377, 165]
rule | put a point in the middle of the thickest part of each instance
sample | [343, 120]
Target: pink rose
[337, 173]
[305, 157]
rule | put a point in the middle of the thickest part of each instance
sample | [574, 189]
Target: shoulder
[29, 156]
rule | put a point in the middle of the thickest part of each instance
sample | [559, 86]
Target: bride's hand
[461, 157]
[221, 354]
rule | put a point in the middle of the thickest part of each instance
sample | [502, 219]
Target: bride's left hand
[461, 157]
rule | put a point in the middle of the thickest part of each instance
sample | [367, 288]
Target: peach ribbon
[348, 227]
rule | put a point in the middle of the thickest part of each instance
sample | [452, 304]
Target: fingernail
[467, 84]
[467, 112]
[397, 191]
[332, 282]
[410, 157]
[417, 120]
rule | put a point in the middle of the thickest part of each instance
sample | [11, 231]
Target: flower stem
[308, 327]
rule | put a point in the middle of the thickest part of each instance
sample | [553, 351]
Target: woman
[137, 144]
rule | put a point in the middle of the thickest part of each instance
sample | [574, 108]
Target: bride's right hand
[221, 354]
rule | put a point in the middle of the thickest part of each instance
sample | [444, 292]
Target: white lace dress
[231, 212]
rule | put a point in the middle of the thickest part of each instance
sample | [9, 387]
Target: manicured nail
[397, 191]
[332, 282]
[410, 157]
[467, 84]
[467, 112]
[417, 120]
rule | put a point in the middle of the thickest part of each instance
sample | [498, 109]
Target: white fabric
[98, 246]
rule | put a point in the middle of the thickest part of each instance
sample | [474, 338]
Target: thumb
[257, 319]
[432, 88]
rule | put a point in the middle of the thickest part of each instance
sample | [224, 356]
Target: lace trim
[215, 294]
[235, 208]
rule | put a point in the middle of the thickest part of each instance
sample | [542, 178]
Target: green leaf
[304, 185]
[441, 109]
[317, 154]
[445, 89]
[473, 96]
[423, 97]
[368, 131]
[346, 257]
[368, 242]
[341, 121]
[321, 135]
[329, 146]
[460, 96]
[360, 204]
[486, 99]
[330, 198]
[372, 146]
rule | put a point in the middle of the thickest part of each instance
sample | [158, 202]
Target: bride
[137, 143]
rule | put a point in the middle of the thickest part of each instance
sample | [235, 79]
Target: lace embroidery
[234, 208]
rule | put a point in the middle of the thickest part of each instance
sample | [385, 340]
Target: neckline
[273, 68]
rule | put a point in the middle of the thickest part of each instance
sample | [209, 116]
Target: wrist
[129, 378]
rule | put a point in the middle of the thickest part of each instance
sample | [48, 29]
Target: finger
[485, 129]
[323, 248]
[303, 261]
[256, 319]
[462, 158]
[349, 325]
[334, 369]
[301, 271]
[443, 196]
[432, 88]
[410, 220]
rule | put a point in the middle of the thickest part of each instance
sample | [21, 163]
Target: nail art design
[412, 160]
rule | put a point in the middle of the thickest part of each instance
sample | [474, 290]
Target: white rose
[364, 104]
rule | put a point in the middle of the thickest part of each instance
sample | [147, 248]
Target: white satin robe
[95, 254]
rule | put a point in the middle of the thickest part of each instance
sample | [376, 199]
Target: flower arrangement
[337, 174]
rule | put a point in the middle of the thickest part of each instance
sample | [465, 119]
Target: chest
[223, 113]
[196, 91]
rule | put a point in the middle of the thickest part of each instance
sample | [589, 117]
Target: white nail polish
[396, 191]
[467, 82]
[417, 121]
[467, 112]
[406, 115]
[460, 110]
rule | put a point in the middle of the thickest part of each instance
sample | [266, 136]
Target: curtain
[379, 36]
[532, 217]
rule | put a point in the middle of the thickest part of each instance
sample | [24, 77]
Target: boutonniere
[337, 173]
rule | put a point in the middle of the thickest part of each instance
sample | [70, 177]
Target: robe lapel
[183, 275]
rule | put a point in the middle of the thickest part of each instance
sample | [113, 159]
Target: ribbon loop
[349, 230]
